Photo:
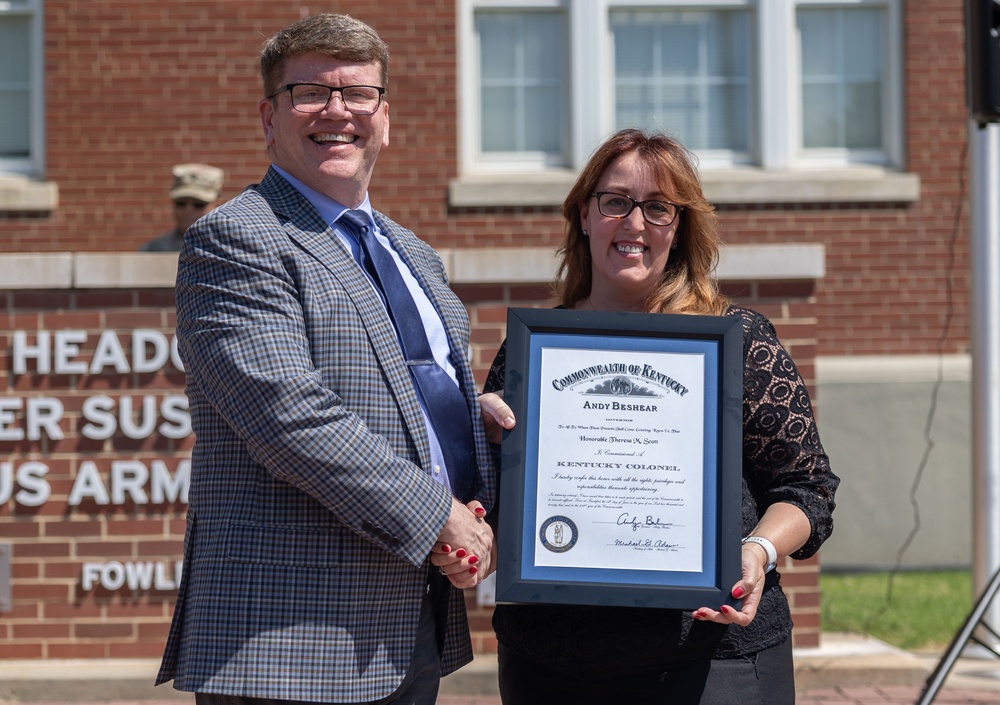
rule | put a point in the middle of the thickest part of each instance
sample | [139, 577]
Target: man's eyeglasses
[314, 97]
[616, 205]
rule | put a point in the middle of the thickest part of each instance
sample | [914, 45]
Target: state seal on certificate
[558, 534]
[620, 483]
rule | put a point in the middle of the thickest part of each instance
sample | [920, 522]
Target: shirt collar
[328, 209]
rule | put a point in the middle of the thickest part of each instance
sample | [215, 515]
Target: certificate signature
[620, 460]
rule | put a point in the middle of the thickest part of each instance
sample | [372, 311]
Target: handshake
[465, 551]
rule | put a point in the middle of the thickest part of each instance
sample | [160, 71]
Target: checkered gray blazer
[311, 514]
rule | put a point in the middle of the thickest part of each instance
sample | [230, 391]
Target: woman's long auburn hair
[687, 284]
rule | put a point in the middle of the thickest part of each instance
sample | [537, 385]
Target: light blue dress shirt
[330, 210]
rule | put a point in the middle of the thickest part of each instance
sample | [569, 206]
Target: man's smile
[325, 137]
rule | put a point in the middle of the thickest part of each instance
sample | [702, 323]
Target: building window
[522, 87]
[685, 72]
[20, 87]
[774, 84]
[842, 69]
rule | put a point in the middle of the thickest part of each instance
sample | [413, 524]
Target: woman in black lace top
[641, 237]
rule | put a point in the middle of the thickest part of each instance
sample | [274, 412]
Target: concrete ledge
[107, 680]
[21, 194]
[889, 369]
[88, 270]
[853, 184]
[471, 265]
[841, 660]
[83, 680]
[146, 270]
[856, 659]
[476, 678]
[844, 660]
[510, 190]
[36, 271]
[503, 265]
[790, 261]
[519, 265]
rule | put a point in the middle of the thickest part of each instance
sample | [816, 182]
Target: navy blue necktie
[445, 404]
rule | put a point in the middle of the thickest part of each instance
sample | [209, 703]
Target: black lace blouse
[783, 461]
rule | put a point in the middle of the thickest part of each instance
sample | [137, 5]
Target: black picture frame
[711, 344]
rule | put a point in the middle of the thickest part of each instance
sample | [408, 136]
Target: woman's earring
[585, 233]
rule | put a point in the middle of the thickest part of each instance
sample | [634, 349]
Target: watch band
[772, 554]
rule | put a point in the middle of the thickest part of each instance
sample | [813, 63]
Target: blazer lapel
[304, 226]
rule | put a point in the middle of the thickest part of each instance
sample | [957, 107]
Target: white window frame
[473, 159]
[716, 158]
[34, 164]
[893, 118]
[775, 85]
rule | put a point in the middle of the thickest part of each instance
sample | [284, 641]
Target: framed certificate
[621, 482]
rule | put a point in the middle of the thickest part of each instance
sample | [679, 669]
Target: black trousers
[766, 678]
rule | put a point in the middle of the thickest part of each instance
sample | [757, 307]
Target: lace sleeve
[494, 380]
[783, 458]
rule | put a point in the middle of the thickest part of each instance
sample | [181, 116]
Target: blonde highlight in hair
[688, 284]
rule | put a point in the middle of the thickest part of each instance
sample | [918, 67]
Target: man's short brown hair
[339, 36]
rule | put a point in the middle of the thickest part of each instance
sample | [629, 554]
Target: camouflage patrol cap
[199, 181]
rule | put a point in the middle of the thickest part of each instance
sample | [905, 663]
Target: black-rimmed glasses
[314, 97]
[617, 205]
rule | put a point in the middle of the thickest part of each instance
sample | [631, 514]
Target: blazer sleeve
[242, 309]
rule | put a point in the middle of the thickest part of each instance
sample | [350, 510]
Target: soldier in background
[196, 188]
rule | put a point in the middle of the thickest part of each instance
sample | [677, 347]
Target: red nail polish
[473, 570]
[446, 548]
[726, 609]
[473, 560]
[738, 593]
[460, 553]
[480, 511]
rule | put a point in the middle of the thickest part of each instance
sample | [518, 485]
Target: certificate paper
[620, 473]
[620, 484]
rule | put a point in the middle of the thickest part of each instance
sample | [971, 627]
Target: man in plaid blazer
[315, 497]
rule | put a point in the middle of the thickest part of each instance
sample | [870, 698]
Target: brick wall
[81, 499]
[101, 524]
[145, 85]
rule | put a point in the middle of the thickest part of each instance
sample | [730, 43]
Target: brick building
[832, 139]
